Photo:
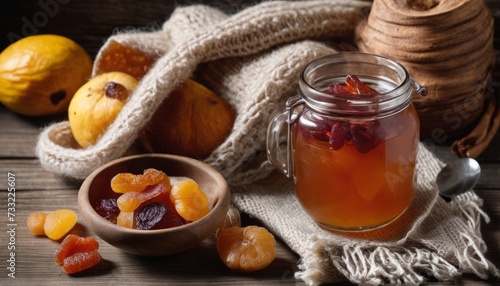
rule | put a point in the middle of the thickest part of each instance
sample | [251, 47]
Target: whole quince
[192, 121]
[97, 103]
[39, 74]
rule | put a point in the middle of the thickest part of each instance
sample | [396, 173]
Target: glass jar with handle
[352, 138]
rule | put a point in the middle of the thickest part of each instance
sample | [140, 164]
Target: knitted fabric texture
[253, 59]
[196, 35]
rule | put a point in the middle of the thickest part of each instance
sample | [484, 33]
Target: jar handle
[279, 158]
[422, 90]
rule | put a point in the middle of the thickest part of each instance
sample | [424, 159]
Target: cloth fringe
[374, 265]
[472, 256]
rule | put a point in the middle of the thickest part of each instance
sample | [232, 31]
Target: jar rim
[396, 95]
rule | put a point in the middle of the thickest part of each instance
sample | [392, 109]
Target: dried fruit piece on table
[59, 222]
[189, 200]
[130, 201]
[77, 253]
[246, 249]
[81, 261]
[73, 244]
[97, 103]
[39, 74]
[118, 57]
[35, 223]
[128, 182]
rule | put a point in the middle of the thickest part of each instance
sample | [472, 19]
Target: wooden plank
[490, 176]
[17, 138]
[31, 176]
[19, 134]
[35, 255]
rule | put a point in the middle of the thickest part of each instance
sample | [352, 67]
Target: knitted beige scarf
[253, 59]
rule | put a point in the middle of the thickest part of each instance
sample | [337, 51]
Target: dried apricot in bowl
[59, 222]
[190, 201]
[131, 201]
[148, 200]
[246, 249]
[128, 182]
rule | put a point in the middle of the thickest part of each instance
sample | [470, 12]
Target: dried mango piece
[58, 223]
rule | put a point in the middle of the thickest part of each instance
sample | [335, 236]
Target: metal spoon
[458, 177]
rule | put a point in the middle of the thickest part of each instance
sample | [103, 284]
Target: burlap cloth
[253, 59]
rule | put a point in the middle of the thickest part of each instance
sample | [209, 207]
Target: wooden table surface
[39, 190]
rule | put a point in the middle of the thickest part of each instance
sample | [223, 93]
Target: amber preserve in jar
[352, 140]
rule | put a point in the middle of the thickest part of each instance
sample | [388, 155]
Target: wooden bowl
[155, 242]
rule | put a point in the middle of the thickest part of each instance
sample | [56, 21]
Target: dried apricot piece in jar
[129, 202]
[189, 200]
[58, 223]
[127, 182]
[73, 244]
[337, 88]
[355, 86]
[35, 223]
[246, 249]
[81, 261]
